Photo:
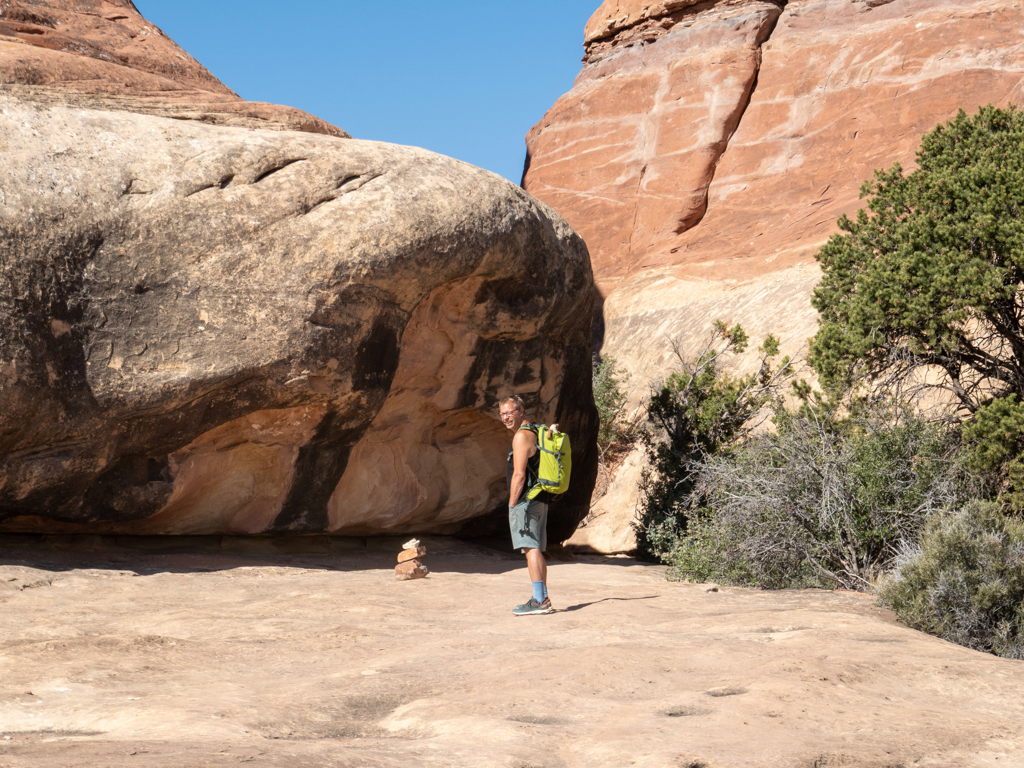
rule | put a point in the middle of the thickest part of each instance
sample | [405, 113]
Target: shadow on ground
[579, 606]
[204, 554]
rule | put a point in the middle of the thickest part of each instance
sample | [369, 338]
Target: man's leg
[535, 561]
[537, 565]
[538, 569]
[528, 522]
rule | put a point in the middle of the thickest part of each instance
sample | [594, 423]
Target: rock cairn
[409, 564]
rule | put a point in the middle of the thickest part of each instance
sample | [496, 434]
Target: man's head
[513, 412]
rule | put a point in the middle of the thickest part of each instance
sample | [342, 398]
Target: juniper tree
[930, 275]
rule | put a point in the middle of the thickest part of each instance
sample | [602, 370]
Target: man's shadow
[603, 599]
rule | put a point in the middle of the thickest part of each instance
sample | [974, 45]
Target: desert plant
[932, 277]
[993, 444]
[698, 410]
[825, 500]
[964, 581]
[610, 400]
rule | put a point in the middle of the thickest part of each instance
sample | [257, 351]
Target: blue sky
[466, 79]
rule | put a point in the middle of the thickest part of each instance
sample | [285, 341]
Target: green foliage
[993, 443]
[995, 435]
[610, 400]
[932, 275]
[697, 411]
[825, 500]
[708, 552]
[965, 582]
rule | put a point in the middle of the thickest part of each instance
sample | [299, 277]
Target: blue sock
[545, 589]
[539, 591]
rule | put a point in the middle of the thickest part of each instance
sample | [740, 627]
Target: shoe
[531, 606]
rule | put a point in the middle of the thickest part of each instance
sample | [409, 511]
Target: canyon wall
[240, 320]
[707, 148]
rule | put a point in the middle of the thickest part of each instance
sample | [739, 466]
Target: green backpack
[555, 461]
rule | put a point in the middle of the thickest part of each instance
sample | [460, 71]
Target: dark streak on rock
[376, 358]
[348, 183]
[318, 469]
[221, 184]
[275, 167]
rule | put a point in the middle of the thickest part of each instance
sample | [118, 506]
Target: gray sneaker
[532, 606]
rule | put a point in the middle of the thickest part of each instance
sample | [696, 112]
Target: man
[527, 518]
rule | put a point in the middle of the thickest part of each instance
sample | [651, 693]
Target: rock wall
[707, 148]
[241, 328]
[104, 54]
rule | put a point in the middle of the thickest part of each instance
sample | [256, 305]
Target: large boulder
[221, 329]
[707, 148]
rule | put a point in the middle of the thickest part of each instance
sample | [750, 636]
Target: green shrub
[702, 555]
[696, 412]
[995, 435]
[964, 582]
[823, 501]
[993, 443]
[610, 401]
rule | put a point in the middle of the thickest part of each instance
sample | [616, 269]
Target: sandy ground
[212, 657]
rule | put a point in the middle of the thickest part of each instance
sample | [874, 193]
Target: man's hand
[551, 430]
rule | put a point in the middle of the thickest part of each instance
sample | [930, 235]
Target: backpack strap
[532, 478]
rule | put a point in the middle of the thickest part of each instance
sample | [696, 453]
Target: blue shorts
[528, 522]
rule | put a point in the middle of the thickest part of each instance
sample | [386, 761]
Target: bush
[965, 581]
[710, 550]
[994, 441]
[925, 290]
[695, 413]
[826, 500]
[610, 401]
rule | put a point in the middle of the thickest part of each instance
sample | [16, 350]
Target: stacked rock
[409, 565]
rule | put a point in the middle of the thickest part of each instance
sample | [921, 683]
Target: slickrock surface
[222, 659]
[212, 329]
[707, 148]
[104, 54]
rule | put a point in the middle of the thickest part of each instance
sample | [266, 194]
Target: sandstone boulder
[210, 327]
[608, 529]
[707, 148]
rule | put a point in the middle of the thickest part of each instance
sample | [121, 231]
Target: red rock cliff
[707, 148]
[104, 54]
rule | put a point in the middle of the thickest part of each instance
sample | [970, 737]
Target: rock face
[707, 148]
[103, 53]
[210, 328]
[608, 527]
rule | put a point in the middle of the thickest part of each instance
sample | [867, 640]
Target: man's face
[510, 414]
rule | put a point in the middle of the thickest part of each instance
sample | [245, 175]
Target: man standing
[527, 518]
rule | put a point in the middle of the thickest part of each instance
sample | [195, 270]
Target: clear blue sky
[466, 79]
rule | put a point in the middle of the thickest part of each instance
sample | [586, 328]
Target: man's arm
[524, 445]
